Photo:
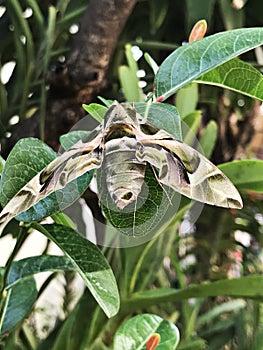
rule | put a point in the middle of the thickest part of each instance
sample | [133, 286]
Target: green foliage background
[182, 276]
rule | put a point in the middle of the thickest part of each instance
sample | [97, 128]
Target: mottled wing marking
[204, 181]
[75, 162]
[123, 145]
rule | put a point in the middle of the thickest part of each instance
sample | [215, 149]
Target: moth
[122, 147]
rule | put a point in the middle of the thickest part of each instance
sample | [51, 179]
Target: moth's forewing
[203, 181]
[170, 170]
[79, 159]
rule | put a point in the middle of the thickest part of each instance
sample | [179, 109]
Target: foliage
[218, 311]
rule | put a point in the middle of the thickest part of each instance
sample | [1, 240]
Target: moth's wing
[79, 159]
[188, 172]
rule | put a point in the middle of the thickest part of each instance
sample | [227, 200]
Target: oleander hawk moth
[123, 146]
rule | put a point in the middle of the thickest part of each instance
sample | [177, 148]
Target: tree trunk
[83, 76]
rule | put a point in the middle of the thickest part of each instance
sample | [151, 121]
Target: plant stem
[19, 242]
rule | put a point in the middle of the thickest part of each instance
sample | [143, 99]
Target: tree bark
[84, 73]
[83, 76]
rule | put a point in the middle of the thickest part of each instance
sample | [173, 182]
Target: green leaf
[24, 268]
[151, 62]
[20, 300]
[128, 78]
[72, 137]
[245, 174]
[194, 59]
[164, 116]
[106, 102]
[243, 287]
[2, 164]
[186, 100]
[96, 110]
[90, 263]
[228, 306]
[135, 332]
[190, 126]
[238, 76]
[208, 139]
[136, 259]
[27, 158]
[192, 344]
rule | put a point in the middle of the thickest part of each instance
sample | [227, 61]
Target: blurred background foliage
[35, 39]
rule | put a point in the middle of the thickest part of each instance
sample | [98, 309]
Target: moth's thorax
[118, 131]
[124, 172]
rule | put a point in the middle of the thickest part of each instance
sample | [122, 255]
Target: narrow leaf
[243, 287]
[158, 12]
[245, 174]
[186, 99]
[190, 126]
[128, 78]
[228, 306]
[96, 111]
[208, 139]
[151, 62]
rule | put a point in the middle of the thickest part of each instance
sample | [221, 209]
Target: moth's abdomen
[124, 173]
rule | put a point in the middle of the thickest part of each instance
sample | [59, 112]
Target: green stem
[50, 37]
[62, 219]
[37, 15]
[25, 55]
[41, 229]
[19, 242]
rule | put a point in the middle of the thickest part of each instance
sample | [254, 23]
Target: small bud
[198, 31]
[160, 99]
[153, 341]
